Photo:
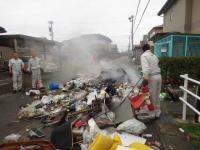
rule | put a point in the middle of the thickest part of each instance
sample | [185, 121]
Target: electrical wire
[136, 13]
[142, 16]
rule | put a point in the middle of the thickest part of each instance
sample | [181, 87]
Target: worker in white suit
[34, 68]
[16, 66]
[152, 76]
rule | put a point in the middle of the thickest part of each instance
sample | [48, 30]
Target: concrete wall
[196, 17]
[174, 18]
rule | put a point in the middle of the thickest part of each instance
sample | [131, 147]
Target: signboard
[163, 49]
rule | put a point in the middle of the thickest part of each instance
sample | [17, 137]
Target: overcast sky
[76, 17]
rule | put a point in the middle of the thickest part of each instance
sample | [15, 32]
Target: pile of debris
[90, 113]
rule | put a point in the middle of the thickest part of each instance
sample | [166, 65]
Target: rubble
[88, 105]
[30, 111]
[132, 126]
[12, 138]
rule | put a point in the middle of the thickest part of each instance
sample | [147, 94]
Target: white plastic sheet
[132, 126]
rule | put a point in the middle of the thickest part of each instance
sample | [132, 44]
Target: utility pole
[51, 30]
[131, 19]
[129, 43]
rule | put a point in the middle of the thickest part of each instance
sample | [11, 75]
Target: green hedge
[173, 67]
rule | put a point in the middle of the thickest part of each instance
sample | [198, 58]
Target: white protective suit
[16, 66]
[151, 72]
[34, 67]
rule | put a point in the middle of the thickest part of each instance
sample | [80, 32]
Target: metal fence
[186, 92]
[176, 44]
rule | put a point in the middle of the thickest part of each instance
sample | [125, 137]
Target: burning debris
[90, 110]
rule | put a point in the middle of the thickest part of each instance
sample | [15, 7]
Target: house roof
[159, 26]
[2, 30]
[153, 34]
[90, 37]
[166, 7]
[156, 27]
[26, 37]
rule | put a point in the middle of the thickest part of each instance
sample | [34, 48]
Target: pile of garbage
[89, 112]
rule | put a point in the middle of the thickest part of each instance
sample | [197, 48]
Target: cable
[141, 16]
[136, 13]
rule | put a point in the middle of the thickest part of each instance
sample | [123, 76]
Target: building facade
[155, 33]
[23, 44]
[181, 16]
[181, 25]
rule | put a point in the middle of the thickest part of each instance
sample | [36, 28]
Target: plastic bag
[46, 99]
[12, 138]
[29, 111]
[91, 96]
[87, 138]
[90, 133]
[102, 94]
[33, 92]
[53, 85]
[132, 126]
[93, 128]
[80, 105]
[57, 98]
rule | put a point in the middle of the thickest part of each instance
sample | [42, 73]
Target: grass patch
[194, 132]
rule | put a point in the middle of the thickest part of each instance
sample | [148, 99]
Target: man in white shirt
[152, 77]
[34, 67]
[15, 69]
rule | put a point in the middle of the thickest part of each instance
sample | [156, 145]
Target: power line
[133, 20]
[142, 16]
[136, 12]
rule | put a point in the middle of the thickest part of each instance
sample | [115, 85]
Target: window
[164, 49]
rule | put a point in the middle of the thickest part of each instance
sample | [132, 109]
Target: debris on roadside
[132, 126]
[181, 130]
[12, 138]
[35, 133]
[33, 92]
[147, 135]
[83, 109]
[29, 112]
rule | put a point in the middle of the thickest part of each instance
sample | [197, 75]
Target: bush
[173, 67]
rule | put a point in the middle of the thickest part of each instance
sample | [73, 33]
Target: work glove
[145, 83]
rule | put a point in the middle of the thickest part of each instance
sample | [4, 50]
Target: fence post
[185, 97]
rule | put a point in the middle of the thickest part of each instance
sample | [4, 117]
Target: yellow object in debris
[101, 142]
[116, 141]
[139, 146]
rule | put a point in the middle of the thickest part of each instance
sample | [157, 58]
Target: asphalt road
[9, 107]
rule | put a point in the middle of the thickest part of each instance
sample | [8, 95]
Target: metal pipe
[185, 98]
[189, 105]
[189, 92]
[190, 79]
